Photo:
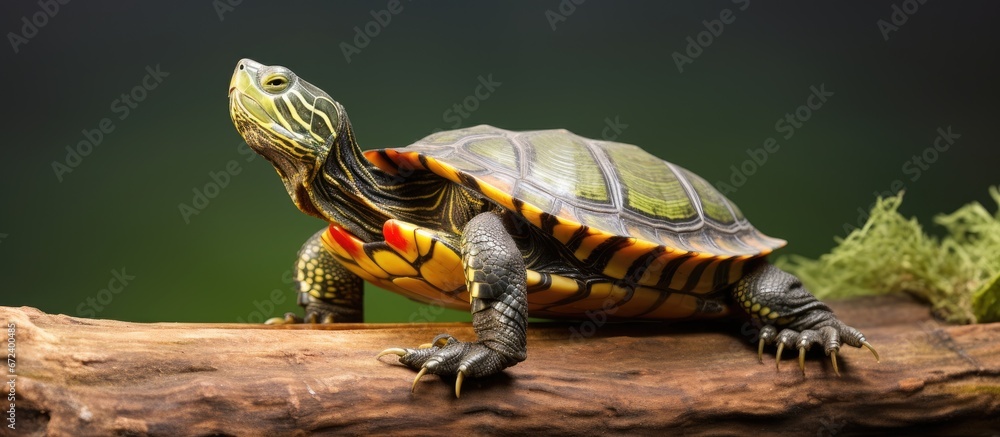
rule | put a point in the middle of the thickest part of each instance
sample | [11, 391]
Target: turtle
[505, 224]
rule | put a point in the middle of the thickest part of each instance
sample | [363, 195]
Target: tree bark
[101, 377]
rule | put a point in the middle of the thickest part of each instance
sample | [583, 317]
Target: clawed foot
[830, 337]
[318, 311]
[292, 319]
[447, 356]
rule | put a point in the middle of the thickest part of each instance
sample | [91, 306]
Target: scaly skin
[776, 299]
[496, 280]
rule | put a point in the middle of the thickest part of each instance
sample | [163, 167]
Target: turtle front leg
[496, 279]
[775, 300]
[328, 291]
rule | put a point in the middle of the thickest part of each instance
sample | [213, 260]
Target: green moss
[959, 274]
[986, 301]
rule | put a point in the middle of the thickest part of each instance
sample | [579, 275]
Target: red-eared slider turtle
[510, 223]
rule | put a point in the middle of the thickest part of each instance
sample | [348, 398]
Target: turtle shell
[618, 209]
[615, 188]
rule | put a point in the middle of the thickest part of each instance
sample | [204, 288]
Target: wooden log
[101, 377]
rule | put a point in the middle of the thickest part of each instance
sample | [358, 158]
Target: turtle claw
[392, 350]
[287, 319]
[314, 315]
[447, 356]
[777, 356]
[413, 388]
[831, 337]
[767, 335]
[311, 317]
[458, 381]
[871, 348]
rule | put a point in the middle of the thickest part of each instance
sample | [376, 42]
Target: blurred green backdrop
[65, 235]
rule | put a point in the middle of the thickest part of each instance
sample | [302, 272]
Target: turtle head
[288, 121]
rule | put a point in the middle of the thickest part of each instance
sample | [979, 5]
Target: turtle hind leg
[791, 317]
[328, 292]
[496, 279]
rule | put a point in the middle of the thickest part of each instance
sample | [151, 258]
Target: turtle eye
[275, 83]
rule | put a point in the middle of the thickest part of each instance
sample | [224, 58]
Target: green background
[118, 209]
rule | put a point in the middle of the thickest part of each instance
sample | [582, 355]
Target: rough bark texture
[101, 377]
